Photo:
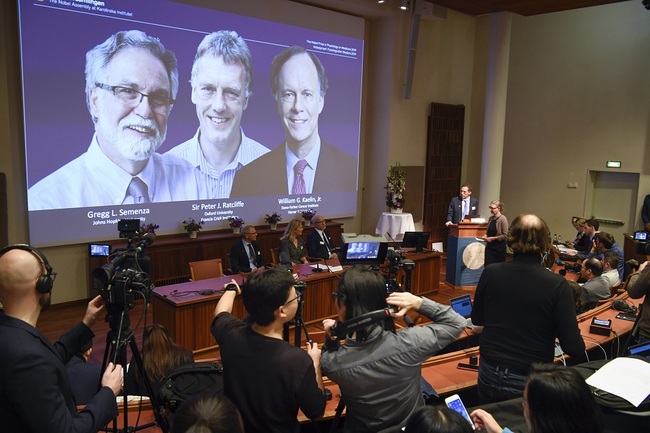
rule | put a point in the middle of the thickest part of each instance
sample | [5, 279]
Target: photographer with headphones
[35, 391]
[378, 370]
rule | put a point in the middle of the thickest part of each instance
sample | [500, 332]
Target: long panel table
[187, 313]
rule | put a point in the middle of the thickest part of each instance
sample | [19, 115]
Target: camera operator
[379, 370]
[35, 391]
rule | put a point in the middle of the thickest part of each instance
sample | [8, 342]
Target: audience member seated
[437, 419]
[581, 242]
[631, 266]
[606, 243]
[207, 413]
[610, 272]
[578, 297]
[556, 399]
[591, 227]
[245, 255]
[378, 370]
[160, 357]
[596, 287]
[523, 308]
[291, 245]
[267, 378]
[319, 242]
[85, 375]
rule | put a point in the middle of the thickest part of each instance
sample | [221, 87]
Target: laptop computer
[463, 306]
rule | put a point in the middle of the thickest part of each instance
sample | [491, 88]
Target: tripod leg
[160, 420]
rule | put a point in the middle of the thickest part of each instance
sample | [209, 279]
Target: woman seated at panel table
[291, 243]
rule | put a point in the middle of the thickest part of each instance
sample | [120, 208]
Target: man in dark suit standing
[319, 242]
[35, 391]
[462, 205]
[245, 255]
[304, 163]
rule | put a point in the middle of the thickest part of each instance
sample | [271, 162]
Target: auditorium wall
[577, 95]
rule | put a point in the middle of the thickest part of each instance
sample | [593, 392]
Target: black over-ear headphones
[45, 282]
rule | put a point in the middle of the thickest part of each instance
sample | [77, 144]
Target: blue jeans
[496, 383]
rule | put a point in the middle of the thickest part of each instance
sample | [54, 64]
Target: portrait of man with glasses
[131, 85]
[267, 378]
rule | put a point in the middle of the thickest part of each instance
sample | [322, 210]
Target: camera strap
[350, 326]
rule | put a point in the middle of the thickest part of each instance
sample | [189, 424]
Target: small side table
[396, 224]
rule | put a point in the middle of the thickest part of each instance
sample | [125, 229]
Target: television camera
[125, 275]
[395, 262]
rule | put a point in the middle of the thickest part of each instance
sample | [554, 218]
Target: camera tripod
[299, 323]
[117, 339]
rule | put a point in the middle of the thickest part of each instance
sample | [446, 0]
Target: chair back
[204, 269]
[275, 256]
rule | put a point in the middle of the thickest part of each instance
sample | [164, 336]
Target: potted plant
[192, 226]
[395, 187]
[236, 223]
[272, 220]
[307, 215]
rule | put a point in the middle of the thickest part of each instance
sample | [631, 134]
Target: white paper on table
[628, 378]
[565, 249]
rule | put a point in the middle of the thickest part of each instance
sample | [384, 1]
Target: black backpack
[190, 380]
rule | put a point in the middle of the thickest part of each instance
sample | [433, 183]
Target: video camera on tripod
[126, 274]
[395, 262]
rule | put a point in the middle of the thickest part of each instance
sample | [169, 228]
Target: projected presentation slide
[164, 111]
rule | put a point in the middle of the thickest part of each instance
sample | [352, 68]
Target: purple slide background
[55, 35]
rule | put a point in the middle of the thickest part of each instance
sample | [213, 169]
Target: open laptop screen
[462, 305]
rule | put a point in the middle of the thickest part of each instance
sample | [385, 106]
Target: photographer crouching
[378, 370]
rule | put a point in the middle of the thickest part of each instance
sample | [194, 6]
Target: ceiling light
[405, 5]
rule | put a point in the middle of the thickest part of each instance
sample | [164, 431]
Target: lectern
[465, 254]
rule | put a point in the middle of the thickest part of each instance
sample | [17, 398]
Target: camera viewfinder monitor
[99, 250]
[417, 240]
[363, 253]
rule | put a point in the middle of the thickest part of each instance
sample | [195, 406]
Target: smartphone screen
[601, 322]
[455, 403]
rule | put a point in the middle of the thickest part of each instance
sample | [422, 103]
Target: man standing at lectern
[462, 205]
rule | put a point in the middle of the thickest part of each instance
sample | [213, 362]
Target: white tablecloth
[395, 224]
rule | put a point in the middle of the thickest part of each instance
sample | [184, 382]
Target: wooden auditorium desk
[187, 313]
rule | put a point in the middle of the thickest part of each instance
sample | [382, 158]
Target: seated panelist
[245, 255]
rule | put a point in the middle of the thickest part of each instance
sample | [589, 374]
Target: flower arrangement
[274, 218]
[149, 228]
[308, 214]
[395, 187]
[191, 225]
[236, 221]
